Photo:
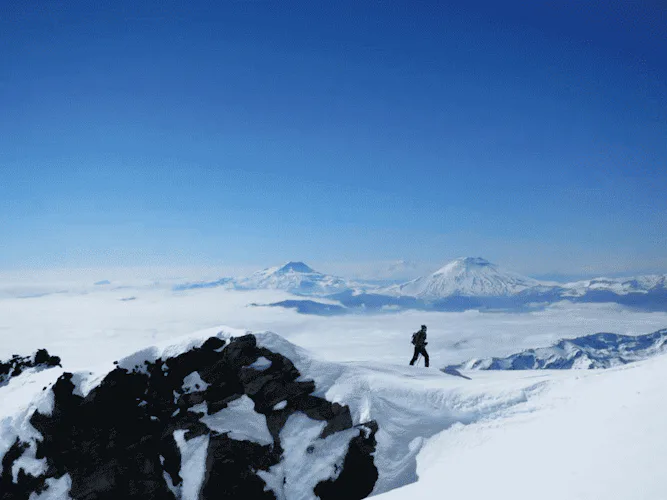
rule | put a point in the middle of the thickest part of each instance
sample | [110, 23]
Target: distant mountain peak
[295, 267]
[464, 263]
[475, 261]
[467, 276]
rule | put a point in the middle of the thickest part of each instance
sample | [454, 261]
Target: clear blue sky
[531, 133]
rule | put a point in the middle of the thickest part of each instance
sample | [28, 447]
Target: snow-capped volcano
[295, 277]
[466, 276]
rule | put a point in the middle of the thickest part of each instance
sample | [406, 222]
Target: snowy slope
[600, 350]
[599, 435]
[466, 276]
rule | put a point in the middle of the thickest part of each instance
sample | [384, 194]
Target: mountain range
[464, 283]
[599, 350]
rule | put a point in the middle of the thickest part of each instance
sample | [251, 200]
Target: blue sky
[254, 133]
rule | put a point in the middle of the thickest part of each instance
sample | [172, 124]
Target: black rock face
[118, 440]
[18, 364]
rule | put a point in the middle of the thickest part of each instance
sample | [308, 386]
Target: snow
[619, 286]
[305, 464]
[548, 434]
[29, 464]
[295, 277]
[193, 464]
[280, 406]
[466, 276]
[240, 420]
[261, 364]
[590, 435]
[600, 350]
[194, 383]
[56, 489]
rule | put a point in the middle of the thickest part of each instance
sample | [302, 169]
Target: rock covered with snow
[16, 365]
[226, 418]
[600, 350]
[468, 277]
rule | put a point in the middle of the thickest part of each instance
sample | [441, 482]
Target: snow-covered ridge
[599, 350]
[247, 414]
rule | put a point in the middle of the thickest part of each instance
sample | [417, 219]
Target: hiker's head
[424, 327]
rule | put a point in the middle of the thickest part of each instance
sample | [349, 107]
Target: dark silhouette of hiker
[419, 341]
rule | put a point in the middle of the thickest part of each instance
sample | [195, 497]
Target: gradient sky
[531, 133]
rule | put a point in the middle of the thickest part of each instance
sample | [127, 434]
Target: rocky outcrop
[228, 419]
[13, 367]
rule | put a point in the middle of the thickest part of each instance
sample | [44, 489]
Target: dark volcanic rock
[18, 364]
[120, 440]
[359, 474]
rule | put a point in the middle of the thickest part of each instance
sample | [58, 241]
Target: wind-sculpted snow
[600, 350]
[16, 365]
[214, 421]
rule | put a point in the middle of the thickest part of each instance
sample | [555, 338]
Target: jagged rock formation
[228, 419]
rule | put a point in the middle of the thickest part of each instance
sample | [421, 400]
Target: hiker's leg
[425, 354]
[414, 356]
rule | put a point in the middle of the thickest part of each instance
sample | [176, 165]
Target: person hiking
[419, 341]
